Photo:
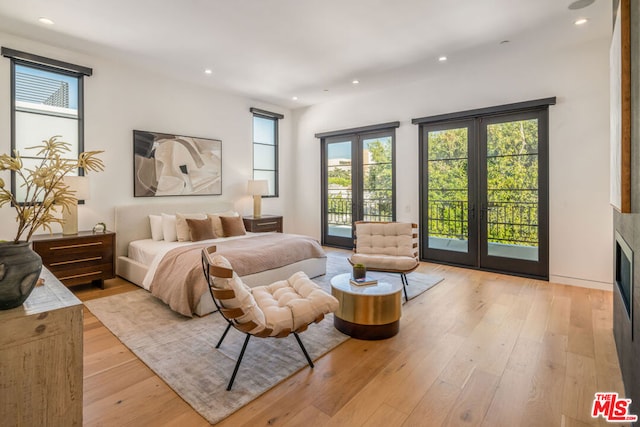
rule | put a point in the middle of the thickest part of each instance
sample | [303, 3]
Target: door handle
[483, 211]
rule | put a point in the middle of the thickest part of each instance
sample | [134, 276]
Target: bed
[138, 256]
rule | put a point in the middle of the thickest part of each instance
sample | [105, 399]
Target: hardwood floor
[479, 349]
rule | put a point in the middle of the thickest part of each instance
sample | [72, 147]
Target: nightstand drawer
[76, 259]
[72, 248]
[263, 224]
[84, 273]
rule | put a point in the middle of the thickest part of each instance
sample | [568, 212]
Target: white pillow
[169, 228]
[156, 227]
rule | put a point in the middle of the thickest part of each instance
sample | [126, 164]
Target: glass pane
[512, 138]
[512, 190]
[377, 179]
[46, 91]
[32, 129]
[270, 177]
[448, 195]
[21, 191]
[264, 130]
[264, 157]
[377, 150]
[339, 195]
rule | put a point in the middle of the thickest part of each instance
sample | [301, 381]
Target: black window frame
[19, 58]
[275, 117]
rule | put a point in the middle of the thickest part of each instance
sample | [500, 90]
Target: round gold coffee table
[367, 312]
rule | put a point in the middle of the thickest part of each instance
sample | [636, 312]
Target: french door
[484, 192]
[358, 183]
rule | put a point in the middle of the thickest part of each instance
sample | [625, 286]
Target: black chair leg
[235, 370]
[223, 335]
[405, 283]
[304, 350]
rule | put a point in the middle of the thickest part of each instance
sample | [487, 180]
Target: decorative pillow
[169, 228]
[217, 224]
[200, 229]
[232, 226]
[155, 221]
[182, 229]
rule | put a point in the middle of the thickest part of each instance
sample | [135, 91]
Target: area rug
[182, 351]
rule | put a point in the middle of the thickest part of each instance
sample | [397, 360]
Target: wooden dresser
[262, 224]
[79, 258]
[41, 358]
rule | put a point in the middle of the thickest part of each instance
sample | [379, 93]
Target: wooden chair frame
[230, 315]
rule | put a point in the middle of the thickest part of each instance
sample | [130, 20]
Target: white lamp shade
[79, 185]
[258, 187]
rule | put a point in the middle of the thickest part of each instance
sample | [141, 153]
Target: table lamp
[258, 188]
[79, 185]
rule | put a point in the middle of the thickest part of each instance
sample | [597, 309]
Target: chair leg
[304, 350]
[405, 283]
[235, 370]
[223, 335]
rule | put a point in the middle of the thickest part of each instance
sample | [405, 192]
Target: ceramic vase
[20, 269]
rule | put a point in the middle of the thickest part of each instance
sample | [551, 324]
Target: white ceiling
[272, 50]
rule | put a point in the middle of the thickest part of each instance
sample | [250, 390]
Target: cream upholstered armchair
[387, 246]
[276, 310]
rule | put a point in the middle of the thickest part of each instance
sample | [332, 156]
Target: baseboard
[572, 281]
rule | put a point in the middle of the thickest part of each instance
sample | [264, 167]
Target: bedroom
[121, 96]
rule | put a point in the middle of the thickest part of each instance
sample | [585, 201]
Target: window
[265, 148]
[46, 100]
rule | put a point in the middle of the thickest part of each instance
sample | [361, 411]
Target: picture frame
[176, 165]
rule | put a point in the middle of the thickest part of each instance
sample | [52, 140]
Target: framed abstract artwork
[175, 165]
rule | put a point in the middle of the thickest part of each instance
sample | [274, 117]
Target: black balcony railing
[339, 210]
[448, 219]
[513, 223]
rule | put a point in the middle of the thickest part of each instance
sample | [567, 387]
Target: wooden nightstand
[78, 258]
[264, 223]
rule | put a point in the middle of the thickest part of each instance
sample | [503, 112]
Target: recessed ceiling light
[208, 71]
[295, 98]
[355, 82]
[442, 58]
[580, 21]
[579, 4]
[46, 21]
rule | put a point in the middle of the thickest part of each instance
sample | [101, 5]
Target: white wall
[119, 99]
[580, 215]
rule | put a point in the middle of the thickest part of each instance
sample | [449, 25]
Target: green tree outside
[512, 183]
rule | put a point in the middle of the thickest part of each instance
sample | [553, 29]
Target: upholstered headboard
[132, 221]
